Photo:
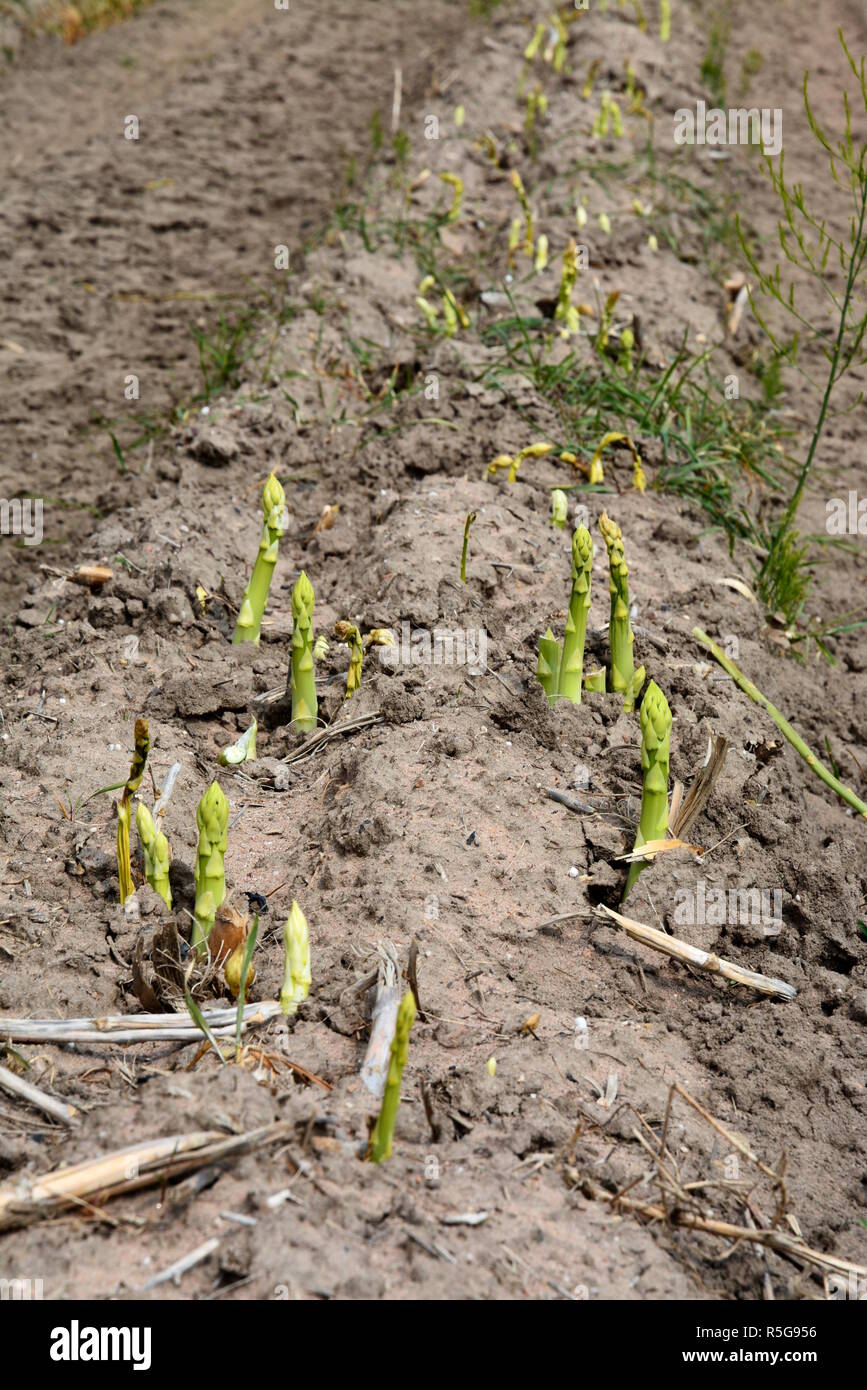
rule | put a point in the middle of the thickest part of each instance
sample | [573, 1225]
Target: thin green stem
[795, 501]
[471, 516]
[782, 724]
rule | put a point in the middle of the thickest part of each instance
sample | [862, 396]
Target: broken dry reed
[174, 1272]
[685, 810]
[126, 1170]
[704, 960]
[134, 1028]
[374, 1070]
[773, 1239]
[49, 1105]
[317, 740]
[678, 1204]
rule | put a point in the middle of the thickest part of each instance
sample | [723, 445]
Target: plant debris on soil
[590, 1108]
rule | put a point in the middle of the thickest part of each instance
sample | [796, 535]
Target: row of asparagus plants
[212, 821]
[560, 672]
[560, 669]
[212, 812]
[307, 649]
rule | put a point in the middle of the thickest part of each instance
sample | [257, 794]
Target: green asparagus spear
[249, 622]
[548, 667]
[655, 756]
[304, 706]
[212, 819]
[566, 312]
[624, 677]
[155, 848]
[142, 743]
[297, 975]
[559, 508]
[572, 660]
[381, 1139]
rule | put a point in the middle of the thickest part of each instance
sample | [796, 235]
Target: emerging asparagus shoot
[529, 225]
[566, 313]
[548, 666]
[382, 1138]
[513, 461]
[212, 819]
[572, 659]
[457, 187]
[141, 748]
[239, 970]
[624, 677]
[615, 437]
[303, 684]
[249, 621]
[349, 633]
[296, 961]
[155, 848]
[655, 756]
[242, 750]
[560, 669]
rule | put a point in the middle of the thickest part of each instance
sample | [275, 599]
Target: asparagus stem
[782, 724]
[471, 516]
[348, 632]
[212, 819]
[246, 976]
[304, 705]
[297, 974]
[572, 660]
[124, 870]
[204, 916]
[565, 312]
[595, 680]
[381, 1140]
[239, 972]
[548, 667]
[624, 677]
[141, 748]
[249, 621]
[155, 848]
[655, 757]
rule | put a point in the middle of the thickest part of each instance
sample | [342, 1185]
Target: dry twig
[49, 1105]
[705, 960]
[136, 1028]
[126, 1170]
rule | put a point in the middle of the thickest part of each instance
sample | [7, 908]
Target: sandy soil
[431, 824]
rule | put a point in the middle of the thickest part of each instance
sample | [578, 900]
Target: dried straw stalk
[126, 1170]
[705, 960]
[49, 1105]
[774, 1239]
[136, 1028]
